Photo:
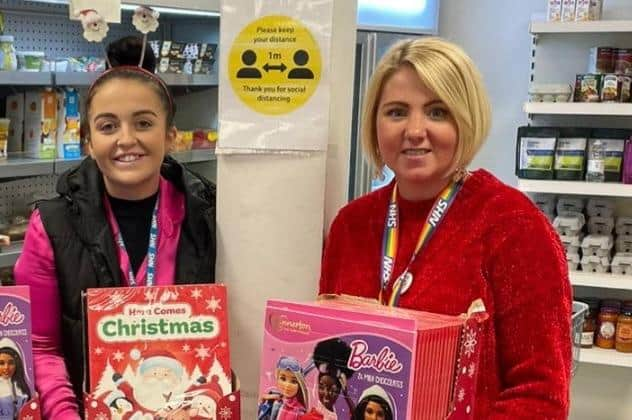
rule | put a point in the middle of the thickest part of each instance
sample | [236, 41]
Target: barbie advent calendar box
[159, 353]
[347, 359]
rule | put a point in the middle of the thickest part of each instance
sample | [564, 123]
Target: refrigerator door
[370, 47]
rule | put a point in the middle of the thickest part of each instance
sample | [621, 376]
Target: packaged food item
[15, 112]
[613, 140]
[568, 10]
[176, 49]
[204, 139]
[587, 88]
[554, 11]
[155, 47]
[623, 61]
[569, 223]
[627, 162]
[40, 124]
[596, 8]
[176, 65]
[184, 140]
[608, 315]
[582, 11]
[570, 153]
[8, 59]
[597, 245]
[590, 322]
[570, 203]
[30, 60]
[625, 88]
[622, 263]
[164, 49]
[610, 88]
[69, 123]
[207, 52]
[545, 92]
[4, 136]
[535, 152]
[201, 66]
[601, 60]
[602, 207]
[623, 335]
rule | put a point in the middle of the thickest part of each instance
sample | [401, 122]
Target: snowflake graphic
[471, 369]
[196, 293]
[461, 395]
[202, 352]
[186, 348]
[213, 304]
[149, 295]
[118, 355]
[225, 413]
[470, 342]
[102, 416]
[98, 351]
[116, 298]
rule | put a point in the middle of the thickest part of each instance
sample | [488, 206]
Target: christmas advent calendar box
[346, 358]
[158, 352]
[18, 399]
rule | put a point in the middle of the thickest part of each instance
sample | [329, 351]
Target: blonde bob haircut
[448, 71]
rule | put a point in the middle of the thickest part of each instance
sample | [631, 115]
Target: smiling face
[374, 411]
[416, 134]
[7, 366]
[328, 391]
[287, 383]
[129, 137]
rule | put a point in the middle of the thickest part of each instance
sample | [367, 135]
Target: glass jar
[623, 336]
[8, 59]
[608, 316]
[590, 323]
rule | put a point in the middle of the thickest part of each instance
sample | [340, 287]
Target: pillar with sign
[286, 91]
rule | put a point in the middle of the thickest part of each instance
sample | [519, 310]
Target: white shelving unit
[607, 189]
[578, 108]
[559, 52]
[605, 357]
[605, 281]
[596, 26]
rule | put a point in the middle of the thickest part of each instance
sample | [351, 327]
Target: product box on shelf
[346, 356]
[40, 124]
[535, 152]
[69, 123]
[159, 352]
[18, 399]
[15, 112]
[568, 10]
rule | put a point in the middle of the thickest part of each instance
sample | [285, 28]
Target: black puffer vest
[86, 254]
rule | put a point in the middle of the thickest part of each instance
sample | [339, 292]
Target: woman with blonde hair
[438, 236]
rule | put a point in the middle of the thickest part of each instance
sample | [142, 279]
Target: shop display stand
[559, 52]
[41, 26]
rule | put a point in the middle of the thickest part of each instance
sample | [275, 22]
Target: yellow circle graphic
[274, 65]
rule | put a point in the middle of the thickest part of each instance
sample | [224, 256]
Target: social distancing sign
[274, 65]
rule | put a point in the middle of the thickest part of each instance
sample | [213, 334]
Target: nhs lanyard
[152, 250]
[390, 240]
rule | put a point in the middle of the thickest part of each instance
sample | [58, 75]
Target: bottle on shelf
[595, 171]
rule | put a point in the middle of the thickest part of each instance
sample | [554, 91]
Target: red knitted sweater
[494, 244]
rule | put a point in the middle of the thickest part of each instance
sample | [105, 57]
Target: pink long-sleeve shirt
[36, 268]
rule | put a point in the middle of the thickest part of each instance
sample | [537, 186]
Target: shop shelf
[578, 108]
[606, 281]
[62, 165]
[10, 254]
[192, 156]
[26, 78]
[86, 79]
[605, 357]
[581, 27]
[608, 189]
[19, 166]
[75, 78]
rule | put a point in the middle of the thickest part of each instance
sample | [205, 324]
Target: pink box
[337, 358]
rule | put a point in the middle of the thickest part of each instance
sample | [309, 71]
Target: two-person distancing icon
[249, 58]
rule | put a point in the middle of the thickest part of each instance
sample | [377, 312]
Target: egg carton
[597, 245]
[572, 204]
[545, 202]
[623, 225]
[595, 264]
[572, 243]
[601, 207]
[573, 261]
[623, 243]
[622, 263]
[600, 225]
[569, 222]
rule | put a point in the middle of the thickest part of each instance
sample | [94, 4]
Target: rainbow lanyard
[152, 250]
[390, 240]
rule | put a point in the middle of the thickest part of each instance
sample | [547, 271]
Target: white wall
[495, 34]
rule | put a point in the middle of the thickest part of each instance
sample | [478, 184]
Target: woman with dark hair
[129, 215]
[14, 391]
[374, 404]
